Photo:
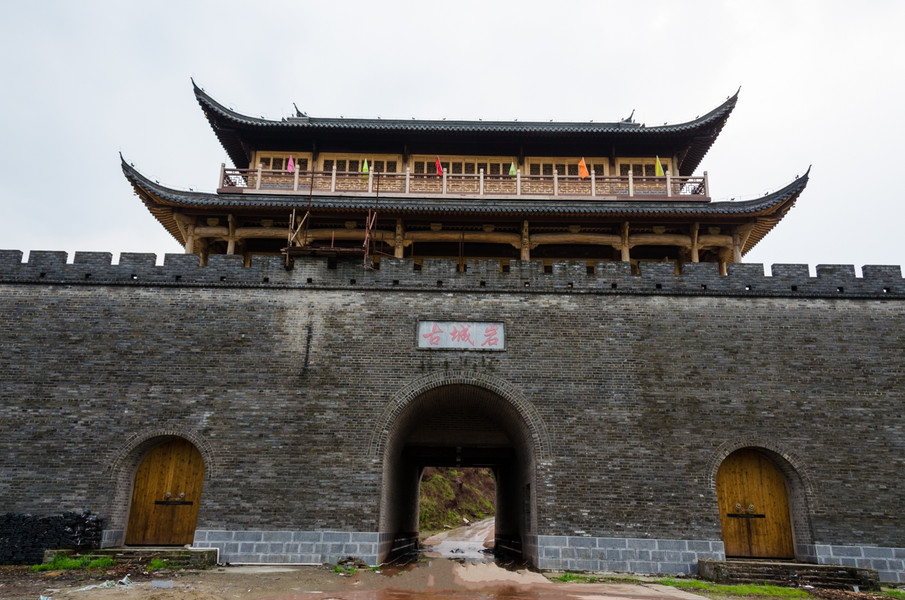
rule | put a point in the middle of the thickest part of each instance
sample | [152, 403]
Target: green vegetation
[345, 570]
[160, 564]
[894, 593]
[64, 562]
[448, 496]
[742, 589]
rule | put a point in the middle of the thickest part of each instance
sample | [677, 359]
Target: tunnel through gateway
[460, 426]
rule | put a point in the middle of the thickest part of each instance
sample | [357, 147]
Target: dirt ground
[437, 579]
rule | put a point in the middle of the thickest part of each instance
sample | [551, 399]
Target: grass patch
[62, 562]
[742, 589]
[345, 570]
[160, 564]
[894, 593]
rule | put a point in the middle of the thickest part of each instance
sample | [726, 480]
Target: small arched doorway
[166, 495]
[753, 500]
[460, 425]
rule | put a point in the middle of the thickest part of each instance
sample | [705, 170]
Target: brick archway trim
[526, 410]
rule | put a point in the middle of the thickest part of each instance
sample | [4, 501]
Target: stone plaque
[459, 335]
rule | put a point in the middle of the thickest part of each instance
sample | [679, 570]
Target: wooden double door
[166, 495]
[754, 507]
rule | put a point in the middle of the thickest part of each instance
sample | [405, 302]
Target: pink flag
[290, 166]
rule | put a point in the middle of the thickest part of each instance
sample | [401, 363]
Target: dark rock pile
[24, 537]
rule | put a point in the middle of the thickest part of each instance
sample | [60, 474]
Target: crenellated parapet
[702, 279]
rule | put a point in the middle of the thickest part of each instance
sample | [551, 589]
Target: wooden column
[204, 250]
[231, 241]
[694, 242]
[190, 238]
[736, 246]
[725, 255]
[526, 242]
[399, 241]
[626, 257]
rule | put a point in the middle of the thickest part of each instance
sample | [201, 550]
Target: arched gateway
[166, 495]
[754, 507]
[466, 421]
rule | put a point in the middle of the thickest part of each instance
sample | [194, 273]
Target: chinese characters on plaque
[456, 335]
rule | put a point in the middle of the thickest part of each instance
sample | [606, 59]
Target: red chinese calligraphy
[490, 336]
[462, 334]
[433, 336]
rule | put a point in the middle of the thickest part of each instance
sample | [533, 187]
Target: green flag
[364, 166]
[512, 169]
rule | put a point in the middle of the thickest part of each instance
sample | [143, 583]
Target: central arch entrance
[460, 425]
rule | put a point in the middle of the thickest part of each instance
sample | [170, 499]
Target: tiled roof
[766, 210]
[690, 141]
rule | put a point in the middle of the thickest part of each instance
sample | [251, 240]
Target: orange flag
[583, 169]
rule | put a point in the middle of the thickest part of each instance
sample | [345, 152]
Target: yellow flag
[659, 171]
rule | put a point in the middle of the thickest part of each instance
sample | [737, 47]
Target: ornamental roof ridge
[302, 120]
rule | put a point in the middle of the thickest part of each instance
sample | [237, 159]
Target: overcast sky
[822, 84]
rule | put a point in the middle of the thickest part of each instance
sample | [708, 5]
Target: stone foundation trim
[627, 555]
[889, 563]
[110, 538]
[289, 547]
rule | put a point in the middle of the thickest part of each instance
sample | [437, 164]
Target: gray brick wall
[641, 383]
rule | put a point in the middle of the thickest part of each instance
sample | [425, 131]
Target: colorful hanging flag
[439, 167]
[512, 170]
[583, 169]
[364, 167]
[290, 166]
[659, 171]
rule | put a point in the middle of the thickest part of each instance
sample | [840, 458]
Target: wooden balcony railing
[457, 185]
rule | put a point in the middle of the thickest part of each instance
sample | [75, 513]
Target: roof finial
[629, 119]
[298, 113]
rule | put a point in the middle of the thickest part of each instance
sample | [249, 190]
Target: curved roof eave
[231, 127]
[771, 206]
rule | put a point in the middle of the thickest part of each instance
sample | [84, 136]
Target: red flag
[439, 167]
[583, 169]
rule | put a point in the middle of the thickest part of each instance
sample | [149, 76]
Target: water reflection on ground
[474, 542]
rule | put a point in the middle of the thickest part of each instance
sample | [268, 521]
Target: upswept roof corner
[238, 132]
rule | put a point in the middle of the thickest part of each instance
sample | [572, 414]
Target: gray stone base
[888, 562]
[632, 555]
[289, 547]
[111, 538]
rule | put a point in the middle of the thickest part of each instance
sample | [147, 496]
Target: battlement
[183, 270]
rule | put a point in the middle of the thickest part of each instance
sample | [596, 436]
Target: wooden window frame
[666, 163]
[265, 158]
[359, 159]
[568, 161]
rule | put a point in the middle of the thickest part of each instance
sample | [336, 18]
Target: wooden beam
[525, 242]
[714, 241]
[512, 239]
[659, 239]
[595, 239]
